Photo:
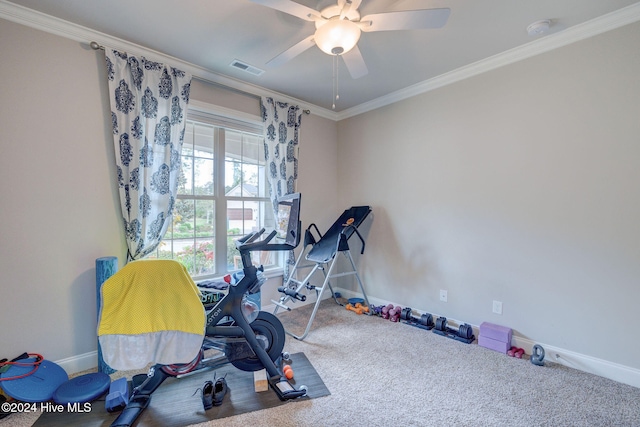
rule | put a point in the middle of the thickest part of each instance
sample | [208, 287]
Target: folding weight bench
[322, 253]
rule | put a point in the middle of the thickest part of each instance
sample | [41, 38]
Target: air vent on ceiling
[246, 67]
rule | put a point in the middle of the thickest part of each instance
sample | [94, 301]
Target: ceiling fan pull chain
[335, 81]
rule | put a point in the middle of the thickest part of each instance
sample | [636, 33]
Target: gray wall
[518, 185]
[59, 208]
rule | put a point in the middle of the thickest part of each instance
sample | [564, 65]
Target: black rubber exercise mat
[174, 403]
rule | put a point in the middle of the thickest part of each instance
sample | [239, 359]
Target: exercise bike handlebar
[251, 237]
[250, 242]
[253, 244]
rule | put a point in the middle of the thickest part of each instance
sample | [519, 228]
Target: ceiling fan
[338, 28]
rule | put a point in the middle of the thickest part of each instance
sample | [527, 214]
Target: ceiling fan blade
[346, 7]
[355, 63]
[291, 7]
[292, 52]
[406, 20]
[344, 10]
[355, 4]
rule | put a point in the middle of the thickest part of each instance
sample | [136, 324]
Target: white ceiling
[212, 33]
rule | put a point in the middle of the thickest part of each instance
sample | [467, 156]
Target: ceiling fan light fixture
[337, 36]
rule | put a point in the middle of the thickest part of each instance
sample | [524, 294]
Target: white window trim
[235, 119]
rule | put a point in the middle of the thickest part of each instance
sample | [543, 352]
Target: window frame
[222, 119]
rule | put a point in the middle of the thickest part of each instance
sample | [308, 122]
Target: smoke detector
[539, 27]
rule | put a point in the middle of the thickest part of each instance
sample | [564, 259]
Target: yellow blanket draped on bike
[150, 312]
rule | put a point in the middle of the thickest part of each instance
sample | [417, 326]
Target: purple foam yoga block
[492, 344]
[496, 332]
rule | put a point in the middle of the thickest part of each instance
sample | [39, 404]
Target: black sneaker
[220, 389]
[207, 395]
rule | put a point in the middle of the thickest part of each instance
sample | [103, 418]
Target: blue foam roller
[105, 268]
[82, 389]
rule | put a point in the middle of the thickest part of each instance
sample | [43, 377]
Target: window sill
[269, 273]
[274, 272]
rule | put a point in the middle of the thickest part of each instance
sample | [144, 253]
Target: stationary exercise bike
[247, 338]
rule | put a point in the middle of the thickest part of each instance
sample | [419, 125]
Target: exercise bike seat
[150, 312]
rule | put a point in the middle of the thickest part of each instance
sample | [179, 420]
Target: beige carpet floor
[381, 373]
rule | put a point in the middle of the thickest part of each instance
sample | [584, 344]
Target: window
[222, 195]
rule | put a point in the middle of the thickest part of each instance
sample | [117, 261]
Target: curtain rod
[97, 46]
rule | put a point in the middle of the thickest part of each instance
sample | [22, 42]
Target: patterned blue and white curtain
[281, 137]
[281, 132]
[148, 108]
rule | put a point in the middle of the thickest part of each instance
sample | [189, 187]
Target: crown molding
[40, 21]
[608, 22]
[47, 23]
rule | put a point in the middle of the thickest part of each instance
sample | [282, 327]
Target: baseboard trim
[604, 368]
[82, 362]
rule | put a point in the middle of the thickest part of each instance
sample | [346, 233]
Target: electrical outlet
[443, 295]
[497, 307]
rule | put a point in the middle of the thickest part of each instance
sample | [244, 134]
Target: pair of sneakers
[213, 392]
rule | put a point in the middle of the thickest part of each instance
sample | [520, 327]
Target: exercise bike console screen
[288, 220]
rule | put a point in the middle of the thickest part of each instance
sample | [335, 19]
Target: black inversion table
[320, 253]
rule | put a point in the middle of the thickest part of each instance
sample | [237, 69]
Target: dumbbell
[425, 320]
[441, 324]
[385, 311]
[464, 331]
[364, 308]
[356, 309]
[376, 309]
[394, 313]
